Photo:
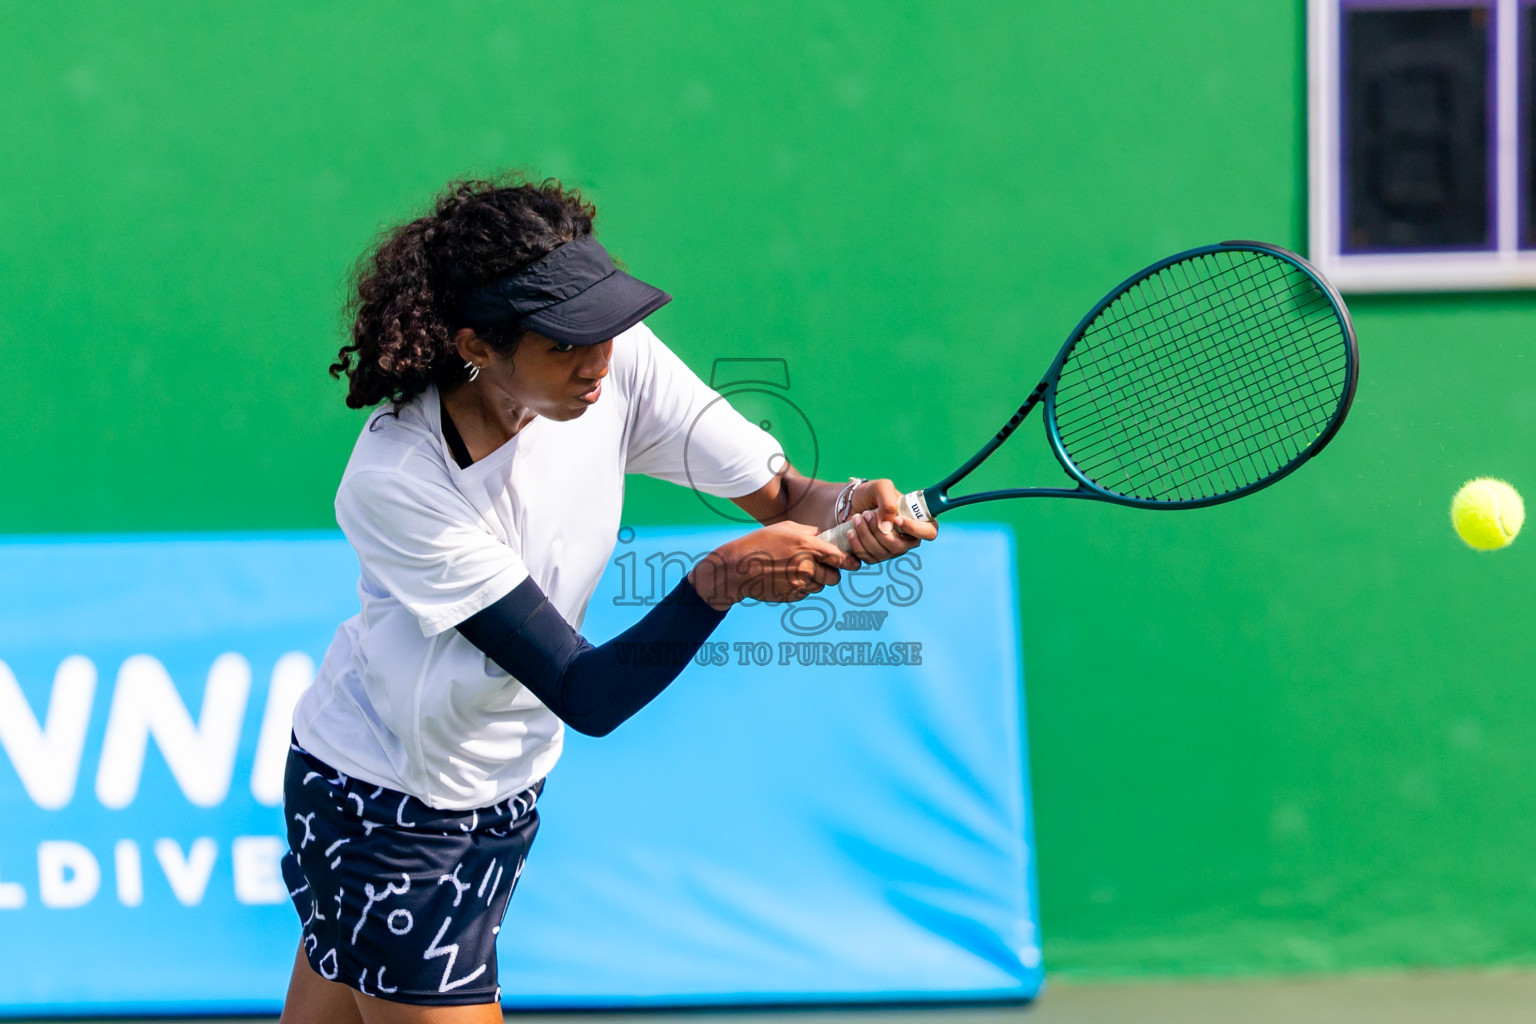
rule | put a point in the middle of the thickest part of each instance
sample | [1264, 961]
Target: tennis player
[518, 385]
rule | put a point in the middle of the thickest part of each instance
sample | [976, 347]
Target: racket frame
[937, 499]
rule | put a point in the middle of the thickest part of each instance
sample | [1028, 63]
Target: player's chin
[571, 408]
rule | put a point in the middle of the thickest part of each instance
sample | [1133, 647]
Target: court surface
[1491, 997]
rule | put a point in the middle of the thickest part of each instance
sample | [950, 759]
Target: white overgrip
[913, 505]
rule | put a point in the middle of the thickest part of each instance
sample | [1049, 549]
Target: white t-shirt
[402, 699]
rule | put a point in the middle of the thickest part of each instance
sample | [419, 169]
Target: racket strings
[1287, 406]
[1203, 378]
[1197, 375]
[1179, 299]
[1212, 415]
[1219, 406]
[1190, 380]
[1201, 374]
[1176, 328]
[1171, 327]
[1156, 374]
[1231, 459]
[1259, 453]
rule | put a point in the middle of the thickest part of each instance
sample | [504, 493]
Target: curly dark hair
[405, 289]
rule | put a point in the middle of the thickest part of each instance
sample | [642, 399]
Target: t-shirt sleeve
[685, 433]
[424, 543]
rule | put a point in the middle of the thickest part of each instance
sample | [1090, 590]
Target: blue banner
[829, 805]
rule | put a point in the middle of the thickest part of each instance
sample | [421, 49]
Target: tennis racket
[1207, 376]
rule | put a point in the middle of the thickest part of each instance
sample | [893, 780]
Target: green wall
[1290, 733]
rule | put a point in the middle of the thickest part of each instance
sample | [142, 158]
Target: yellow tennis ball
[1487, 513]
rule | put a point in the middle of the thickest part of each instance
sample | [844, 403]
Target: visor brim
[611, 306]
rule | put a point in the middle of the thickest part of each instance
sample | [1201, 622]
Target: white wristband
[844, 506]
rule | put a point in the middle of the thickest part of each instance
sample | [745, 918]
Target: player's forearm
[795, 498]
[592, 689]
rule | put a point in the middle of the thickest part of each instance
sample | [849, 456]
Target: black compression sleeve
[592, 689]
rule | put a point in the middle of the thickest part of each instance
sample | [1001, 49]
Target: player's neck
[486, 419]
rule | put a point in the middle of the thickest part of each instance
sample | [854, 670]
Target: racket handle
[913, 505]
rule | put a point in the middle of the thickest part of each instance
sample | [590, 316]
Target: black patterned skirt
[398, 900]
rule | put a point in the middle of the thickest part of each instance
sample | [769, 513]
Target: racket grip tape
[913, 505]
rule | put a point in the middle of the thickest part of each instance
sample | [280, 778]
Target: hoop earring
[474, 370]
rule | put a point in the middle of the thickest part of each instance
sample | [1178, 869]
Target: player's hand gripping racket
[1203, 378]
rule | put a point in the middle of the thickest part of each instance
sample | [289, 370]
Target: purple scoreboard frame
[1509, 261]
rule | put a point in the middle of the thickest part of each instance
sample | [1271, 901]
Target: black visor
[575, 295]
